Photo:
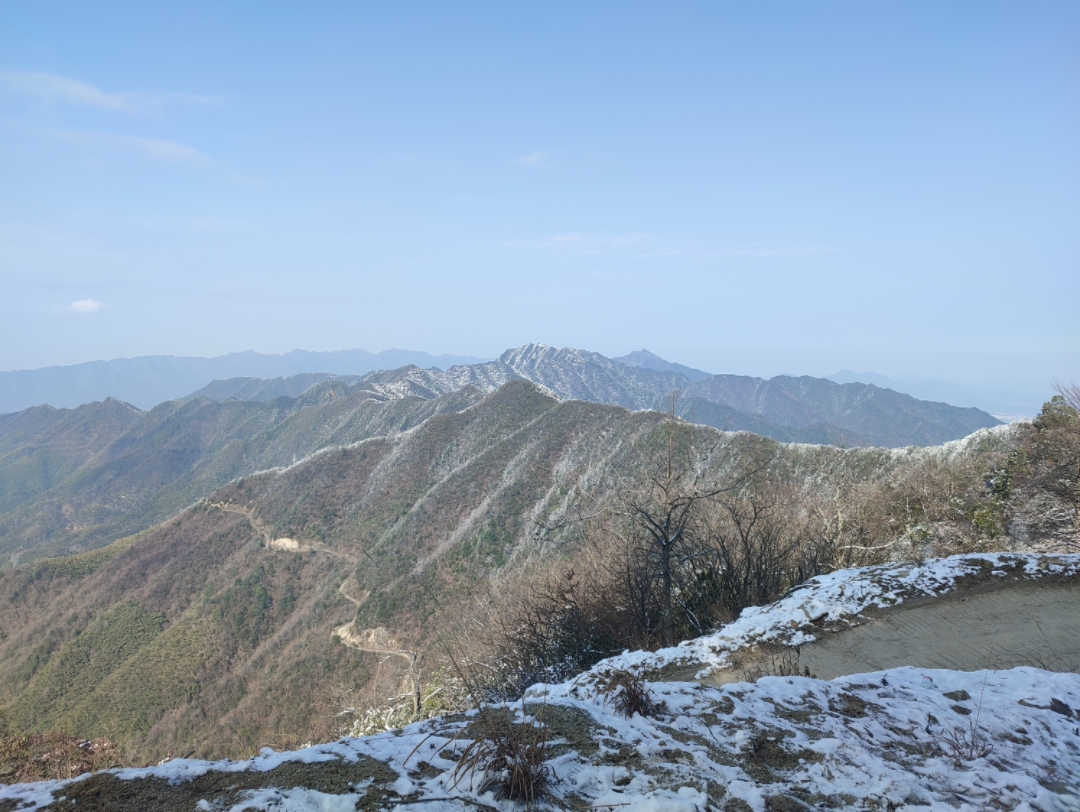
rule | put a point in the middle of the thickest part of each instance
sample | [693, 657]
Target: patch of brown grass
[41, 757]
[964, 744]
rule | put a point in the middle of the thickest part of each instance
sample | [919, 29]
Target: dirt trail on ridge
[374, 641]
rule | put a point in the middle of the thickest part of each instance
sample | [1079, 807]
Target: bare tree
[1070, 394]
[655, 511]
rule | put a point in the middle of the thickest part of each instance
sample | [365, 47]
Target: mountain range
[149, 380]
[75, 479]
[788, 408]
[214, 632]
[1006, 404]
[229, 568]
[252, 615]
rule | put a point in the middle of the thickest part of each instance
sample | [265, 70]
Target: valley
[717, 447]
[268, 571]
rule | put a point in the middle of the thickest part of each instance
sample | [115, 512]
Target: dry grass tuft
[510, 757]
[783, 663]
[964, 744]
[628, 694]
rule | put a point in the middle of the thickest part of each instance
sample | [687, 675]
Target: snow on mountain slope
[786, 408]
[874, 741]
[900, 739]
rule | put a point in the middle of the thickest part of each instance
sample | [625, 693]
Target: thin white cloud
[52, 88]
[626, 244]
[83, 306]
[532, 159]
[160, 150]
[642, 246]
[191, 224]
[778, 251]
[55, 89]
[249, 180]
[154, 148]
[147, 101]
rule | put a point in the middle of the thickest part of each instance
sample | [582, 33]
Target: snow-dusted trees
[1055, 447]
[684, 528]
[677, 537]
[1045, 486]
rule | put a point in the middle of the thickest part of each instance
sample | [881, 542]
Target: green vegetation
[78, 668]
[204, 635]
[73, 479]
[78, 566]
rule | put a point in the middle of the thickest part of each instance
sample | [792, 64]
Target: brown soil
[105, 792]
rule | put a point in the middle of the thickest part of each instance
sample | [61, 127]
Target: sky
[756, 188]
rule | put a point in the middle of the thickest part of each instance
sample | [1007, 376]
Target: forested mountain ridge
[221, 630]
[72, 480]
[209, 600]
[791, 409]
[76, 479]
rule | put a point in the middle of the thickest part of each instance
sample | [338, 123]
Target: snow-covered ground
[838, 598]
[900, 739]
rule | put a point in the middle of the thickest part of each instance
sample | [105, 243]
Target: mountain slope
[648, 360]
[906, 737]
[40, 447]
[146, 466]
[203, 624]
[221, 630]
[78, 479]
[259, 389]
[149, 380]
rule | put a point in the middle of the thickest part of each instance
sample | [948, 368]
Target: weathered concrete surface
[1005, 625]
[1000, 623]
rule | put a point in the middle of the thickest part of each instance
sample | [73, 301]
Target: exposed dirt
[374, 641]
[105, 792]
[570, 725]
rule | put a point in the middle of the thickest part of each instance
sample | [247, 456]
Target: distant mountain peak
[525, 350]
[529, 355]
[641, 358]
[644, 359]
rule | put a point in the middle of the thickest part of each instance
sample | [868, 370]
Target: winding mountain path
[373, 641]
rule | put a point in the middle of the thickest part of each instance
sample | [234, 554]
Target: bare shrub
[758, 549]
[655, 510]
[1046, 475]
[662, 558]
[375, 709]
[965, 744]
[678, 536]
[628, 694]
[545, 625]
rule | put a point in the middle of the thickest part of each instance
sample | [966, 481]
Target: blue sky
[754, 188]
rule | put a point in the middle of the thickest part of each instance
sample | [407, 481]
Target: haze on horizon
[756, 189]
